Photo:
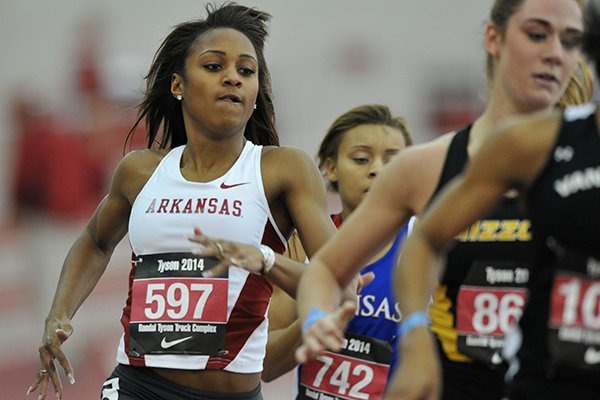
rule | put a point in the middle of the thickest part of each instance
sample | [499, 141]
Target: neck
[207, 159]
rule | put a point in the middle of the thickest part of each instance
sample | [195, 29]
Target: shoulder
[524, 136]
[414, 173]
[141, 161]
[289, 169]
[286, 160]
[428, 152]
[135, 168]
[520, 147]
[277, 154]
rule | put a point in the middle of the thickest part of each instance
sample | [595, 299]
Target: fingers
[41, 382]
[326, 333]
[217, 271]
[64, 332]
[49, 351]
[229, 253]
[198, 237]
[365, 280]
[301, 355]
[345, 313]
[46, 373]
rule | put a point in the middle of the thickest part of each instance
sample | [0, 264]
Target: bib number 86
[494, 312]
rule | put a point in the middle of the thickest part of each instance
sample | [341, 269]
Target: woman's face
[362, 153]
[220, 85]
[537, 54]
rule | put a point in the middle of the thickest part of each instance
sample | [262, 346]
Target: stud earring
[178, 97]
[255, 106]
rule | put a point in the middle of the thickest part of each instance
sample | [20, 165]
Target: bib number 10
[576, 302]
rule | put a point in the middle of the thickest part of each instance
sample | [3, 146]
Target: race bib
[359, 371]
[173, 309]
[489, 303]
[574, 319]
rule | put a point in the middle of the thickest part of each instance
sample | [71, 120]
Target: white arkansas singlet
[172, 307]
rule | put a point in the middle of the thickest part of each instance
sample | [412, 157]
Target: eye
[571, 43]
[213, 66]
[536, 36]
[360, 160]
[246, 71]
[389, 156]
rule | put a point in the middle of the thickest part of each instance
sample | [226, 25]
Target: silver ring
[220, 249]
[43, 371]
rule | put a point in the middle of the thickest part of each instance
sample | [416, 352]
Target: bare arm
[377, 219]
[510, 159]
[297, 199]
[306, 202]
[284, 336]
[84, 264]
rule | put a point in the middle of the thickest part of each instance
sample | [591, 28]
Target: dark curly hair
[159, 109]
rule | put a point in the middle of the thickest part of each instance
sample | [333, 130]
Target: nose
[376, 167]
[554, 51]
[232, 78]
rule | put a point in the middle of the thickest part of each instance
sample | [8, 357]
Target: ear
[492, 41]
[176, 84]
[331, 170]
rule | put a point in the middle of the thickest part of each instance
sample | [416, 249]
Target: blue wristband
[313, 315]
[416, 319]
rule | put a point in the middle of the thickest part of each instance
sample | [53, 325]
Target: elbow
[269, 374]
[267, 377]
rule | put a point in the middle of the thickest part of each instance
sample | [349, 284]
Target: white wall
[325, 57]
[406, 47]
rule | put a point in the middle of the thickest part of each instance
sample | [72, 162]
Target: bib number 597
[175, 300]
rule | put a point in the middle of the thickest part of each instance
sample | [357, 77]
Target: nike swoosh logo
[165, 345]
[496, 359]
[225, 186]
[591, 356]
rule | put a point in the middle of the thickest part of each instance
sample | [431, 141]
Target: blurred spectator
[63, 161]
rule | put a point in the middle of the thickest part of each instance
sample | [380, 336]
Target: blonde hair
[580, 87]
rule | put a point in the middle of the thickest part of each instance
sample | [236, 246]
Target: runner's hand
[418, 376]
[56, 332]
[358, 282]
[326, 333]
[229, 253]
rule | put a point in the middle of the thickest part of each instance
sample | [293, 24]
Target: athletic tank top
[482, 291]
[368, 353]
[173, 317]
[561, 323]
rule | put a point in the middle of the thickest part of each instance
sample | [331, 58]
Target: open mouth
[546, 78]
[231, 99]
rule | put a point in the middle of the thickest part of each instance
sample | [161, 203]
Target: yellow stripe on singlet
[442, 324]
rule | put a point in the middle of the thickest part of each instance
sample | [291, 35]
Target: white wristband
[268, 258]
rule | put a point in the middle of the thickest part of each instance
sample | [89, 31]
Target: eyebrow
[222, 53]
[547, 25]
[367, 147]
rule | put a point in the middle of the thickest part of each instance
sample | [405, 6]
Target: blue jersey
[377, 314]
[368, 356]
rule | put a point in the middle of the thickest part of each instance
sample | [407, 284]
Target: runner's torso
[173, 317]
